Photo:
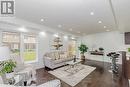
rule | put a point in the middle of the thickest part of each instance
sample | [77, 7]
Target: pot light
[56, 35]
[42, 33]
[70, 29]
[65, 37]
[91, 13]
[105, 27]
[42, 20]
[22, 29]
[107, 30]
[72, 38]
[99, 22]
[59, 26]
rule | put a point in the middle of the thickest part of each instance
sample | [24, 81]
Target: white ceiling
[122, 11]
[75, 14]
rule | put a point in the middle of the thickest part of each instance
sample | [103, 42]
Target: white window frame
[0, 37]
[1, 32]
[22, 45]
[36, 60]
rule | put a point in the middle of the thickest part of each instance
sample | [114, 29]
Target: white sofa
[53, 83]
[56, 59]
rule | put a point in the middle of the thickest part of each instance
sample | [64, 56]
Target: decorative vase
[9, 75]
[82, 57]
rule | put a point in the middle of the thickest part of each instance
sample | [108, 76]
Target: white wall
[44, 42]
[0, 37]
[45, 45]
[110, 41]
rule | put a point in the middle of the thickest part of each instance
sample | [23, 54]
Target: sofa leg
[46, 68]
[25, 83]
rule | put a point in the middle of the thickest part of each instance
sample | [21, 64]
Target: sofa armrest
[49, 62]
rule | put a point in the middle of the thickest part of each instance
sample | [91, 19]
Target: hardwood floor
[98, 78]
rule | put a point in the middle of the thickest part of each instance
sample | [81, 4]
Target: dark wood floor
[98, 78]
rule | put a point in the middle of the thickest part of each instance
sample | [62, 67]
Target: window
[12, 40]
[26, 46]
[30, 47]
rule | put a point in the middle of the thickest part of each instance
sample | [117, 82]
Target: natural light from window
[12, 40]
[29, 48]
[25, 47]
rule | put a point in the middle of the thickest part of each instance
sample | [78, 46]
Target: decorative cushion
[63, 56]
[59, 61]
[52, 55]
[57, 55]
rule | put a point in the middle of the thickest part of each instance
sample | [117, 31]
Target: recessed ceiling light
[59, 26]
[105, 27]
[56, 35]
[66, 37]
[22, 29]
[42, 20]
[73, 38]
[107, 30]
[70, 29]
[42, 33]
[91, 13]
[78, 32]
[99, 22]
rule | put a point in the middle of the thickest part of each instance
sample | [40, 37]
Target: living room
[64, 43]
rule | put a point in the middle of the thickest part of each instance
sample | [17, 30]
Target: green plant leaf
[83, 48]
[7, 67]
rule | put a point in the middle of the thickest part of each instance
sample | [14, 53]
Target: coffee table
[71, 64]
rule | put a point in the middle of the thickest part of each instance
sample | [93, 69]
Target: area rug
[72, 76]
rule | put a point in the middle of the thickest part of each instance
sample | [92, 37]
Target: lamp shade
[4, 53]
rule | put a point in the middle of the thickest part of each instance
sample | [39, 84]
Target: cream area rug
[72, 76]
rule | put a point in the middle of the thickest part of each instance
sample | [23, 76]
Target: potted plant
[129, 50]
[128, 53]
[101, 49]
[8, 68]
[83, 48]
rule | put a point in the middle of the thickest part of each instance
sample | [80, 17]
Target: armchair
[26, 69]
[52, 83]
